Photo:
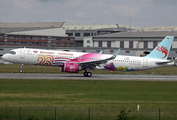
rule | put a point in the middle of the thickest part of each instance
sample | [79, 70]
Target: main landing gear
[87, 72]
[21, 70]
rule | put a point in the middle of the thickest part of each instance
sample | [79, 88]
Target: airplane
[73, 62]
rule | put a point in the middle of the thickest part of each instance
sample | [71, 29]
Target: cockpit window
[12, 52]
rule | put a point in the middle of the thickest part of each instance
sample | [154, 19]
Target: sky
[137, 13]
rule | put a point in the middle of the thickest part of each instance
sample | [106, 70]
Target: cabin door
[145, 62]
[22, 53]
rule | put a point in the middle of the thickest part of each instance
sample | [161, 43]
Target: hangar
[131, 43]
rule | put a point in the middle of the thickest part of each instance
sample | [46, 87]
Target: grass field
[62, 93]
[103, 97]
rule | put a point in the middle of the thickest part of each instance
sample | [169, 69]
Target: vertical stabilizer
[162, 50]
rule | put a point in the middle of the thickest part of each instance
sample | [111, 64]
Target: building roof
[94, 27]
[32, 25]
[140, 34]
[161, 28]
[16, 27]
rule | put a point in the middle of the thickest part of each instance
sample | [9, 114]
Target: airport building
[83, 31]
[131, 43]
[35, 34]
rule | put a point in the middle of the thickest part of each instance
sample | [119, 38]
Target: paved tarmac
[94, 77]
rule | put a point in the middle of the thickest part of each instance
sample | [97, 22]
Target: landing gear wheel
[85, 74]
[20, 70]
[89, 74]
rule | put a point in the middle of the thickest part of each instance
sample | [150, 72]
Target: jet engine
[70, 67]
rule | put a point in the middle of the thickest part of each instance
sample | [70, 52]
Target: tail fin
[162, 50]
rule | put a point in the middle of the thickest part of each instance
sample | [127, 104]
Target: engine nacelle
[70, 67]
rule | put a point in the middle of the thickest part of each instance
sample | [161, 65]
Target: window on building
[17, 42]
[111, 50]
[11, 37]
[77, 34]
[71, 44]
[100, 44]
[83, 50]
[68, 39]
[108, 43]
[62, 39]
[43, 43]
[130, 44]
[10, 42]
[17, 37]
[69, 34]
[127, 51]
[154, 44]
[38, 43]
[67, 44]
[121, 44]
[53, 38]
[72, 39]
[58, 38]
[86, 34]
[62, 44]
[1, 37]
[28, 38]
[88, 41]
[43, 38]
[145, 44]
[22, 37]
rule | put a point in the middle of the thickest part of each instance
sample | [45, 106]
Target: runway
[94, 77]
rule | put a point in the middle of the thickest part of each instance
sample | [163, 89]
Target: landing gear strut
[21, 70]
[87, 74]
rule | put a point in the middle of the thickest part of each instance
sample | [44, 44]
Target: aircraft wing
[97, 62]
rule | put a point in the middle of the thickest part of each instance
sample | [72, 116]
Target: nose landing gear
[21, 70]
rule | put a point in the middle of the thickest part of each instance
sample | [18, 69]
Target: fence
[62, 113]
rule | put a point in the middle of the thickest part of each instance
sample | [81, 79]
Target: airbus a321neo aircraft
[76, 61]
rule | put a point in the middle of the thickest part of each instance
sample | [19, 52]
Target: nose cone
[5, 57]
